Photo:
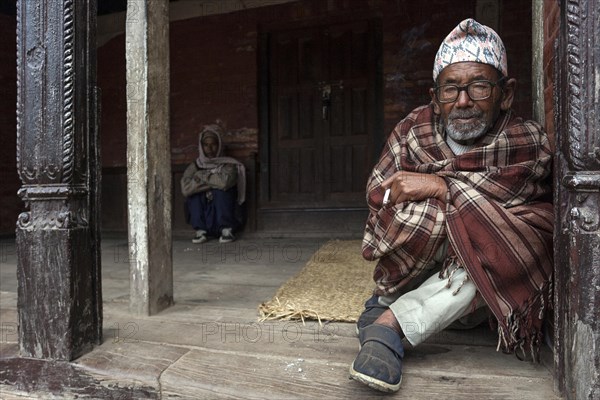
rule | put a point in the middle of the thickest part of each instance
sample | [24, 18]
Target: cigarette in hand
[386, 196]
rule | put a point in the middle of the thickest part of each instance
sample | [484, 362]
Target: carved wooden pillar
[58, 267]
[577, 198]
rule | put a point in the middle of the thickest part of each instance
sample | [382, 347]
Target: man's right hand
[414, 186]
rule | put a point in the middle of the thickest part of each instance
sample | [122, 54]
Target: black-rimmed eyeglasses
[477, 90]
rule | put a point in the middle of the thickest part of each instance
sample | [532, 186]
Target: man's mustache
[465, 114]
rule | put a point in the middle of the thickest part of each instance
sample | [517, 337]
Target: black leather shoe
[379, 361]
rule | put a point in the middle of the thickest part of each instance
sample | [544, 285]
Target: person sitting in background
[214, 186]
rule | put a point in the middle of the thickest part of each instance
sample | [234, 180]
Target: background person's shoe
[379, 361]
[226, 236]
[200, 237]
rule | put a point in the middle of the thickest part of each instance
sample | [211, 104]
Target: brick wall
[412, 35]
[214, 76]
[214, 67]
[10, 204]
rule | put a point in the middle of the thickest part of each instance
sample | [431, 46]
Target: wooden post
[537, 61]
[148, 156]
[577, 201]
[57, 237]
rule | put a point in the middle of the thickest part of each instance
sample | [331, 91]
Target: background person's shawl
[217, 162]
[499, 227]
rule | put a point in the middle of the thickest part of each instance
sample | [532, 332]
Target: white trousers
[429, 307]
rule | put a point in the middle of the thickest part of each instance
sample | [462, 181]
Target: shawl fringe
[449, 268]
[521, 331]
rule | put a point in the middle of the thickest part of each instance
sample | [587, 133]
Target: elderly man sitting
[213, 186]
[460, 218]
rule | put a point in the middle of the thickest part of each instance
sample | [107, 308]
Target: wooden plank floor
[210, 345]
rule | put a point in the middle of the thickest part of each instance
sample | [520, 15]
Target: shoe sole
[199, 241]
[374, 383]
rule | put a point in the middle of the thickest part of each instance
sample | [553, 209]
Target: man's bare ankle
[389, 319]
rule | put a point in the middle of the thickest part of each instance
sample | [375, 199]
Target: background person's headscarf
[218, 161]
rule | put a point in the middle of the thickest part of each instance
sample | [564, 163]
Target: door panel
[322, 84]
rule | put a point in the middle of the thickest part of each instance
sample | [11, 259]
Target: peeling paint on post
[148, 156]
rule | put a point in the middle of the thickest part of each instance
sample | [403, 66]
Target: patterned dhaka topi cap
[471, 41]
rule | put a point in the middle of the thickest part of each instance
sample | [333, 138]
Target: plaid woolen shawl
[496, 218]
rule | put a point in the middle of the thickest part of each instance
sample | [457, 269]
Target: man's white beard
[466, 132]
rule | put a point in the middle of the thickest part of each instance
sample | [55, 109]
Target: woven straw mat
[333, 286]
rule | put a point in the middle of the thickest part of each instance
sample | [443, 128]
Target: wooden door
[322, 115]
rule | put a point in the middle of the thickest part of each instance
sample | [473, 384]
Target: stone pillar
[577, 201]
[57, 237]
[148, 156]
